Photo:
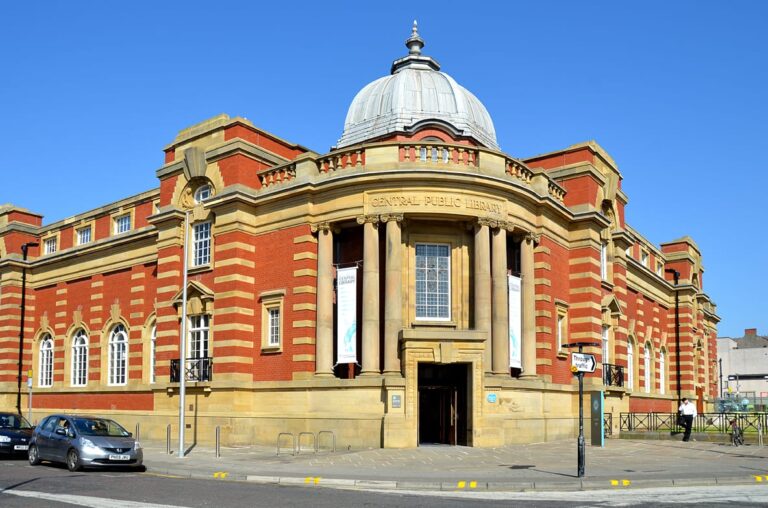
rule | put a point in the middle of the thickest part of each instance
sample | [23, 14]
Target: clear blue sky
[675, 91]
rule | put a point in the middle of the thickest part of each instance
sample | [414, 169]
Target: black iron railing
[613, 375]
[195, 369]
[703, 422]
[608, 424]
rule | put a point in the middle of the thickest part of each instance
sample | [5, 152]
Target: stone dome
[415, 92]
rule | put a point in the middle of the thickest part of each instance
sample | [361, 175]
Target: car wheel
[73, 461]
[34, 457]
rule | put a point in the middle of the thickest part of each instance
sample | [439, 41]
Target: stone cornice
[20, 227]
[247, 148]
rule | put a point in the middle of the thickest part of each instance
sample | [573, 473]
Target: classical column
[529, 306]
[483, 287]
[393, 295]
[500, 309]
[324, 330]
[370, 296]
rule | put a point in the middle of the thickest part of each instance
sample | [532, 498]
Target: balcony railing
[613, 375]
[195, 369]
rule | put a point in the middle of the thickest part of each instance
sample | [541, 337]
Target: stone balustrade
[341, 159]
[556, 191]
[518, 170]
[439, 153]
[278, 174]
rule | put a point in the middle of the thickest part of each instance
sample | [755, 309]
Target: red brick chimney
[750, 331]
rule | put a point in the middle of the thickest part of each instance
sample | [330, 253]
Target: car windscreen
[99, 427]
[10, 421]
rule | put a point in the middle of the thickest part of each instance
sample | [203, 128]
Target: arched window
[662, 372]
[80, 359]
[152, 353]
[203, 192]
[118, 355]
[647, 368]
[46, 361]
[630, 365]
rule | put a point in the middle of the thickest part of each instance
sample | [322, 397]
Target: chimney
[750, 331]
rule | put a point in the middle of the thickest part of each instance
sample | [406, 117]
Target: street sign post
[581, 363]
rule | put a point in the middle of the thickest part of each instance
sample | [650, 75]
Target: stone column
[370, 296]
[324, 326]
[482, 268]
[529, 306]
[500, 309]
[393, 296]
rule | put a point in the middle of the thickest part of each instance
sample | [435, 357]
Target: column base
[370, 373]
[324, 374]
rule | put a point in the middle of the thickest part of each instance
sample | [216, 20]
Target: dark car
[15, 433]
[84, 441]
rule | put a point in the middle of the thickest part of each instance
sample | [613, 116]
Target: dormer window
[203, 192]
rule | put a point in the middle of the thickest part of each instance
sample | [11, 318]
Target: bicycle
[737, 435]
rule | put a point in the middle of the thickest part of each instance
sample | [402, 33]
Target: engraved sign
[431, 201]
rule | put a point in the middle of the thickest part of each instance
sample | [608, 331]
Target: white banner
[515, 319]
[346, 315]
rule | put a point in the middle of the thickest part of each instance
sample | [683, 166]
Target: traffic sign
[583, 362]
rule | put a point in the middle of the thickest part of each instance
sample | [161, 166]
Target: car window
[49, 424]
[100, 427]
[13, 422]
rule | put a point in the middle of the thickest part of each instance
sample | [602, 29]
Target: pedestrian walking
[688, 413]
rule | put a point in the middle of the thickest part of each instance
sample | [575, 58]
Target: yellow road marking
[623, 483]
[460, 485]
[473, 484]
[312, 479]
[220, 474]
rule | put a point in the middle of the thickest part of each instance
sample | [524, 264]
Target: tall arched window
[630, 365]
[152, 353]
[662, 372]
[46, 361]
[647, 368]
[80, 359]
[118, 355]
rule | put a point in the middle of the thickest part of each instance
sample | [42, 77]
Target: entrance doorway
[443, 403]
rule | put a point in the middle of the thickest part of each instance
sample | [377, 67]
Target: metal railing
[613, 375]
[608, 424]
[195, 369]
[703, 422]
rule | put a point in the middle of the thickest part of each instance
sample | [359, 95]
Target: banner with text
[346, 315]
[515, 321]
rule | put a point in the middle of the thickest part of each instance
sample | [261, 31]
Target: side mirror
[61, 432]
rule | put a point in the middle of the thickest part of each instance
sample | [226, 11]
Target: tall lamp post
[676, 277]
[24, 249]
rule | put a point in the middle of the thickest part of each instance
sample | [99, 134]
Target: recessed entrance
[443, 403]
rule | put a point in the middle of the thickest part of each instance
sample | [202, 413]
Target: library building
[415, 284]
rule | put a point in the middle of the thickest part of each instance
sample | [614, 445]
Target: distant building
[744, 365]
[413, 285]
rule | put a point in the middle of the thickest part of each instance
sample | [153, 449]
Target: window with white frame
[84, 235]
[79, 359]
[433, 281]
[201, 247]
[118, 356]
[152, 353]
[647, 367]
[630, 365]
[644, 258]
[203, 192]
[561, 330]
[199, 327]
[605, 336]
[122, 224]
[274, 327]
[49, 245]
[629, 251]
[662, 372]
[604, 260]
[659, 269]
[45, 367]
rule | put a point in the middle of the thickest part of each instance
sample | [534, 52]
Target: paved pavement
[620, 464]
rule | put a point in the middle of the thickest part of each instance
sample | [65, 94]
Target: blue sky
[91, 91]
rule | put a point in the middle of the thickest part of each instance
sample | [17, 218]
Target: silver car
[84, 441]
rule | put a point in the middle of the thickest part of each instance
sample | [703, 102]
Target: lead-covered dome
[415, 92]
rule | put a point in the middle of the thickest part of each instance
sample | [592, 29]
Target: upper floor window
[433, 281]
[203, 192]
[201, 250]
[659, 268]
[49, 245]
[80, 359]
[604, 335]
[647, 367]
[198, 336]
[122, 224]
[644, 258]
[152, 353]
[604, 260]
[630, 365]
[560, 331]
[45, 368]
[274, 327]
[84, 235]
[629, 251]
[662, 372]
[118, 356]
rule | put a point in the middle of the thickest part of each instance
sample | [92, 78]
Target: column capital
[533, 237]
[364, 219]
[496, 223]
[391, 217]
[323, 226]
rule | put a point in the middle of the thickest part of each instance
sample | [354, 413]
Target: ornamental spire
[414, 42]
[414, 59]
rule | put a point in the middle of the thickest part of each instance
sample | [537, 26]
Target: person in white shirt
[688, 412]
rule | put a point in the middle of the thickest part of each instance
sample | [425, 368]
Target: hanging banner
[346, 315]
[515, 321]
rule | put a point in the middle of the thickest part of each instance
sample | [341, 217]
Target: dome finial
[414, 42]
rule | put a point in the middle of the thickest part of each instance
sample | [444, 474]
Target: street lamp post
[676, 277]
[24, 249]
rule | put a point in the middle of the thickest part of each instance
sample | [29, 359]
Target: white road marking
[90, 501]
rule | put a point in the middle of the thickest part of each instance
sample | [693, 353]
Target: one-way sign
[583, 362]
